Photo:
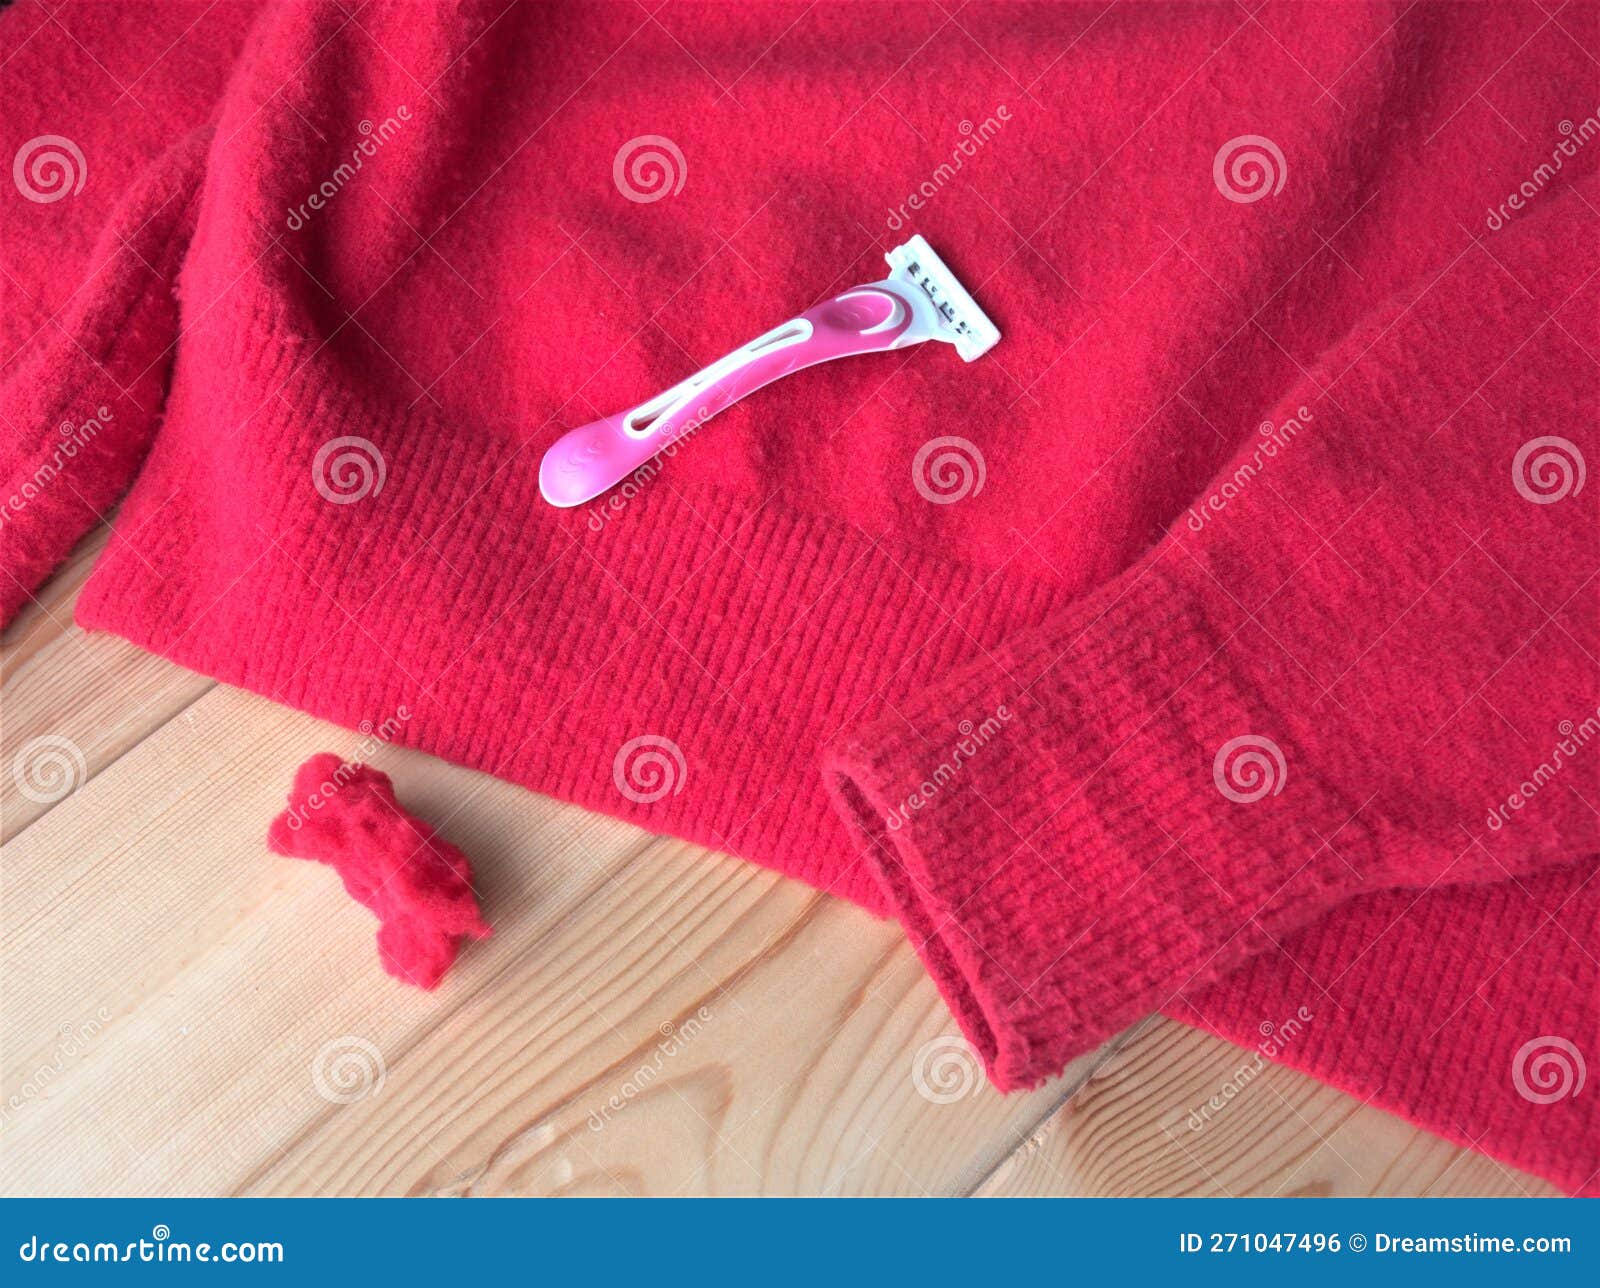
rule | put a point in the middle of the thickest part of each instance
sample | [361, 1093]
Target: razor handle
[590, 460]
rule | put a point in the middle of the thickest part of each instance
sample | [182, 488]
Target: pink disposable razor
[919, 300]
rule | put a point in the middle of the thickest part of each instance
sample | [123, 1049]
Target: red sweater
[1248, 673]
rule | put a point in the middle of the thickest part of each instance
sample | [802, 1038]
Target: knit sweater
[1223, 643]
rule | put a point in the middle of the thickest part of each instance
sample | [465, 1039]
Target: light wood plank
[1140, 1126]
[71, 702]
[148, 898]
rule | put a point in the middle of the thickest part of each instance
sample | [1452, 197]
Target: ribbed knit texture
[1253, 474]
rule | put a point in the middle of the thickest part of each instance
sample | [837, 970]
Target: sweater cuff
[1097, 816]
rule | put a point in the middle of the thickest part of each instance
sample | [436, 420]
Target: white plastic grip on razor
[920, 300]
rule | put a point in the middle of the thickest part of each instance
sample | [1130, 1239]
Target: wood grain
[185, 1013]
[74, 701]
[225, 975]
[1141, 1125]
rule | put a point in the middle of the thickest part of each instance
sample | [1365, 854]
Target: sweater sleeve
[1364, 659]
[105, 179]
[80, 407]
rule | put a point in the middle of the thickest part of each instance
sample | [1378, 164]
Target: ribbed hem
[1049, 830]
[715, 639]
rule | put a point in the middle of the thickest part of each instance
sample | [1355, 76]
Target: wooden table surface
[181, 1012]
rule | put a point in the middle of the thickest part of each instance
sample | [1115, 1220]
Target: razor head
[959, 319]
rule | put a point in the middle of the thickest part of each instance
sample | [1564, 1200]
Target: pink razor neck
[594, 458]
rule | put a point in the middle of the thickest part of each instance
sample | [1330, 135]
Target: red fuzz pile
[418, 884]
